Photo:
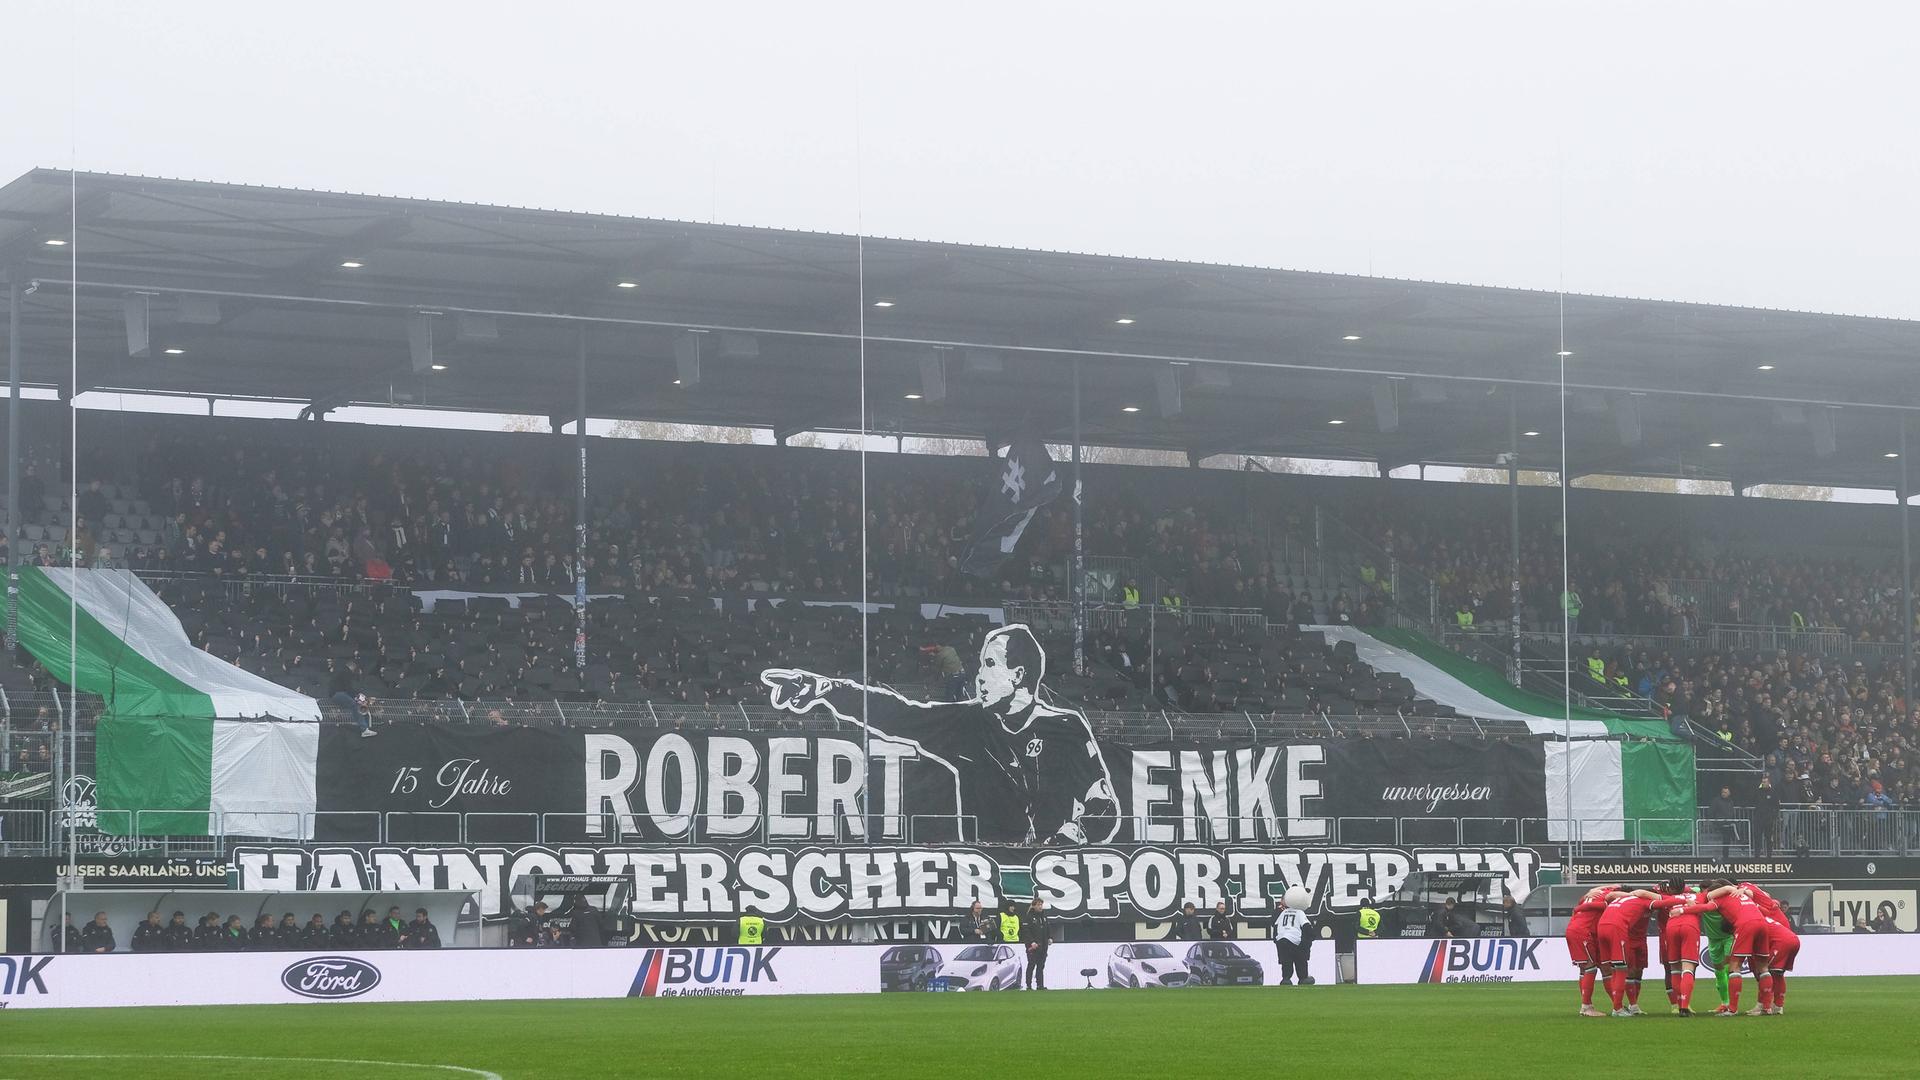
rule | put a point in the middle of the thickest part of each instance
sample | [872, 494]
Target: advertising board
[117, 980]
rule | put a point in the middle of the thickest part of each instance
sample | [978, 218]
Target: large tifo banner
[1030, 788]
[43, 981]
[1455, 961]
[1006, 766]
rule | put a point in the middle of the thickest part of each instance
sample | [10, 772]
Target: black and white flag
[1027, 480]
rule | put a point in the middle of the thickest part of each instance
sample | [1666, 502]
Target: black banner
[1444, 778]
[1008, 765]
[823, 885]
[1047, 784]
[1865, 869]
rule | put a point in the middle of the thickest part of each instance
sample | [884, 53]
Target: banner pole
[1079, 541]
[1513, 531]
[1153, 649]
[73, 517]
[580, 518]
[866, 651]
[1906, 578]
[13, 465]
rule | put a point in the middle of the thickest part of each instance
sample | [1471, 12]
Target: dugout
[456, 914]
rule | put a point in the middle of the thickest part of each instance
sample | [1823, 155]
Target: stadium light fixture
[436, 367]
[1129, 408]
[175, 351]
[1124, 320]
[54, 242]
[1890, 454]
[883, 303]
[1530, 434]
[626, 284]
[1716, 445]
[1564, 352]
[911, 397]
[1764, 367]
[351, 264]
[1336, 422]
[1350, 337]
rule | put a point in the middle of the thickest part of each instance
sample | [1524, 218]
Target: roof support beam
[358, 246]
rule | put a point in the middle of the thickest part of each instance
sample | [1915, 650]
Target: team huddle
[1744, 928]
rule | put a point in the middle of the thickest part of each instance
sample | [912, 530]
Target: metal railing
[237, 588]
[23, 740]
[1118, 618]
[1812, 831]
[1705, 595]
[1108, 575]
[1820, 831]
[1492, 646]
[1120, 726]
[1735, 637]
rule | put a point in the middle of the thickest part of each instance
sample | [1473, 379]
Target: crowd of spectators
[484, 514]
[1629, 579]
[494, 513]
[1829, 733]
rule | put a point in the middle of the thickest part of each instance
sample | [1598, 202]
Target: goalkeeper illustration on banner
[1025, 770]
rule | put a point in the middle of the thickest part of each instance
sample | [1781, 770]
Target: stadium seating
[681, 650]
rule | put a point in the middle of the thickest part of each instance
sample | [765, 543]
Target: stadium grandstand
[1211, 581]
[774, 541]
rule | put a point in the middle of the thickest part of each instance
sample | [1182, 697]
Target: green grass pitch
[1853, 1028]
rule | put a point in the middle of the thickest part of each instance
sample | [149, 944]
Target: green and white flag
[1610, 778]
[189, 741]
[1473, 689]
[122, 642]
[1611, 789]
[194, 776]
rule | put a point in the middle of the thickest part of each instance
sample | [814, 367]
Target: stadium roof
[309, 296]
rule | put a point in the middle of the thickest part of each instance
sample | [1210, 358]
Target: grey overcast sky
[1743, 152]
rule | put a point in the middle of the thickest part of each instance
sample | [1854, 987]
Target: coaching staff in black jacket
[1036, 933]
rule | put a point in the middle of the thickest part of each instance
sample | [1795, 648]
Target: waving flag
[183, 730]
[1024, 481]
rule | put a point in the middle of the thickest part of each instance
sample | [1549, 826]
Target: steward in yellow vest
[1009, 927]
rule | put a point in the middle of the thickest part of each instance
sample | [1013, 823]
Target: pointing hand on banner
[793, 690]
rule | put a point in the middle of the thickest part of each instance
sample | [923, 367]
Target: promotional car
[982, 967]
[1139, 964]
[1222, 963]
[909, 967]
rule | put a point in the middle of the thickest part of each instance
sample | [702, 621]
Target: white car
[982, 967]
[1146, 964]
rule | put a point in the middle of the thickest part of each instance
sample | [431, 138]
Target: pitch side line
[481, 1074]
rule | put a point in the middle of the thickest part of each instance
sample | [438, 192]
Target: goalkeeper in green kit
[1718, 951]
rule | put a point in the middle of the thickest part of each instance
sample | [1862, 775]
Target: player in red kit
[1583, 944]
[1783, 945]
[1750, 945]
[1680, 910]
[1623, 947]
[1660, 935]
